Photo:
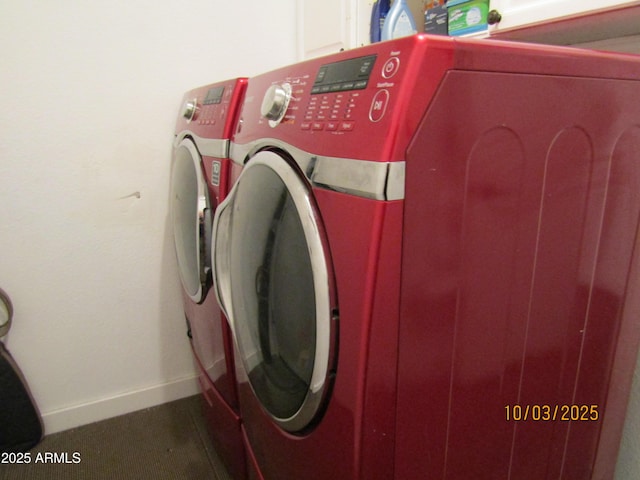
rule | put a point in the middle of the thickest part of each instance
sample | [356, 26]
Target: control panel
[336, 102]
[211, 110]
[336, 97]
[214, 105]
[343, 105]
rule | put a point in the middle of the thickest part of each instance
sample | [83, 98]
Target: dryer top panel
[366, 103]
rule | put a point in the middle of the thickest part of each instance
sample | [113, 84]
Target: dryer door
[274, 280]
[191, 216]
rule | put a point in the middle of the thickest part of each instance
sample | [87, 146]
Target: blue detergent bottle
[399, 22]
[378, 14]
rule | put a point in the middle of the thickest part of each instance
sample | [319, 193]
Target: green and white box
[467, 16]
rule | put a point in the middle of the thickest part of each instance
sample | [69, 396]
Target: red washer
[199, 182]
[458, 250]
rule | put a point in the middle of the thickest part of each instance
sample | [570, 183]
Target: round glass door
[273, 278]
[191, 216]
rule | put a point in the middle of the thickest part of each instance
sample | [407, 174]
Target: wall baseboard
[82, 414]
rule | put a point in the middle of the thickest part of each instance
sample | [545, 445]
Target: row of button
[209, 115]
[345, 126]
[340, 87]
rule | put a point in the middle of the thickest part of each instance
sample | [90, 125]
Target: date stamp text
[552, 413]
[40, 457]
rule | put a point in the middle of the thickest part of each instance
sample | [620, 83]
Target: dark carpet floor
[161, 443]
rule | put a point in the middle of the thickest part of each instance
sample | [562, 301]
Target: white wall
[89, 93]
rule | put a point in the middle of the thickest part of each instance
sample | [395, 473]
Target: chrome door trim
[326, 333]
[362, 178]
[6, 313]
[208, 147]
[220, 261]
[202, 224]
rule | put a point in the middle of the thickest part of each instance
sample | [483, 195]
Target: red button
[391, 67]
[346, 126]
[317, 126]
[379, 105]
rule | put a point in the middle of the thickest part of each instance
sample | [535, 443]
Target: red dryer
[199, 182]
[428, 260]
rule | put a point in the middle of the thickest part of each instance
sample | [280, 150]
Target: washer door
[191, 216]
[273, 279]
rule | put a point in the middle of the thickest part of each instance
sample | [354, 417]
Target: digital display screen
[214, 95]
[342, 76]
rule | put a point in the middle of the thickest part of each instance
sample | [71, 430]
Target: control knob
[190, 109]
[275, 103]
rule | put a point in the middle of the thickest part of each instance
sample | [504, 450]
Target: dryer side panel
[520, 226]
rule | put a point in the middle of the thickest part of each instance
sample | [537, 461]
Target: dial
[190, 109]
[275, 103]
